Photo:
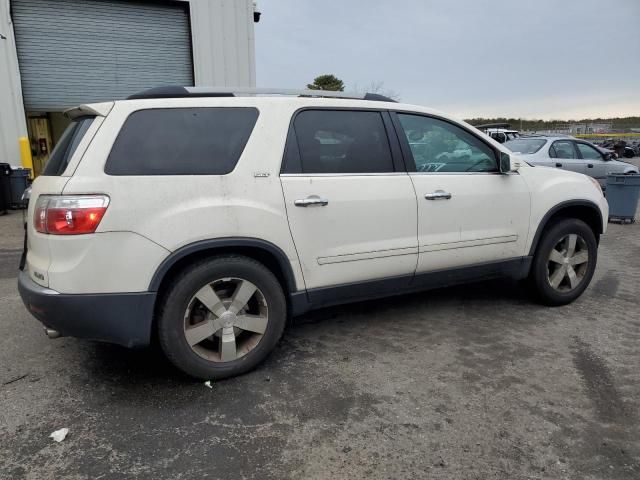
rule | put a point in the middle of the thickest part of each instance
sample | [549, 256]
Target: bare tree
[378, 88]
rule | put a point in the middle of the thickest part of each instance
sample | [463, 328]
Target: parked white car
[569, 153]
[502, 135]
[500, 132]
[206, 218]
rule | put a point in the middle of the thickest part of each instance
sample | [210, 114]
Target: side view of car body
[207, 217]
[568, 153]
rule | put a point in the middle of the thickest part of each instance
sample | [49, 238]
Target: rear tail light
[69, 214]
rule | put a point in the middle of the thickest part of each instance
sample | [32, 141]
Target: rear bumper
[122, 318]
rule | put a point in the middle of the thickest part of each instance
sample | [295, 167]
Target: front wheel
[564, 262]
[221, 317]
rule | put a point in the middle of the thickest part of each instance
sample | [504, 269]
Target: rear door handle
[438, 195]
[310, 201]
[558, 164]
[589, 165]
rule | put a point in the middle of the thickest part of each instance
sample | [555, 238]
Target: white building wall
[12, 120]
[223, 43]
[223, 55]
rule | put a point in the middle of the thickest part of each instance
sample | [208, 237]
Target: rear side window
[339, 141]
[562, 149]
[66, 146]
[527, 146]
[181, 141]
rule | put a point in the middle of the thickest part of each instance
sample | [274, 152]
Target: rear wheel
[221, 317]
[564, 262]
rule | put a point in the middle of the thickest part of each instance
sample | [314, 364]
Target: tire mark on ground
[599, 384]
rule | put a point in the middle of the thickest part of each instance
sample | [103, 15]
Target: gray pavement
[472, 382]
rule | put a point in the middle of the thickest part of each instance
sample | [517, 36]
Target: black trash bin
[19, 182]
[5, 187]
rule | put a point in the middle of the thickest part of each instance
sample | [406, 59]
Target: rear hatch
[65, 157]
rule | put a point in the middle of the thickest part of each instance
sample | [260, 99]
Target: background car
[621, 148]
[569, 153]
[500, 132]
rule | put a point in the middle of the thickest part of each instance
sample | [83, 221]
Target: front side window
[340, 141]
[66, 146]
[181, 141]
[562, 149]
[439, 146]
[588, 152]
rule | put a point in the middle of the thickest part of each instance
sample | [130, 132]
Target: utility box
[623, 191]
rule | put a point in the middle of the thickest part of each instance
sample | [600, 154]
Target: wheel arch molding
[272, 256]
[584, 210]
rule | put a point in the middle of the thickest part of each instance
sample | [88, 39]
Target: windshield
[66, 146]
[525, 146]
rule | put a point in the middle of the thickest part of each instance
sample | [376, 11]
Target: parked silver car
[569, 153]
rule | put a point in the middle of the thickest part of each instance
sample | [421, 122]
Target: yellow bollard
[25, 154]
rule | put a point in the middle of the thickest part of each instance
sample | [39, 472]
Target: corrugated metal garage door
[80, 51]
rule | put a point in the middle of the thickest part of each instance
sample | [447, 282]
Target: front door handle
[438, 195]
[589, 165]
[558, 164]
[310, 201]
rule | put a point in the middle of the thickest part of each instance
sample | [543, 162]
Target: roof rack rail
[181, 92]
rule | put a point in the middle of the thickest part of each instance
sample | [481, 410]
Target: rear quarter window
[66, 146]
[181, 141]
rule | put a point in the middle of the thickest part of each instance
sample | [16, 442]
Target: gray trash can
[5, 187]
[622, 194]
[19, 181]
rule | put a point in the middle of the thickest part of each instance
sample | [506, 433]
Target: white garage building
[55, 54]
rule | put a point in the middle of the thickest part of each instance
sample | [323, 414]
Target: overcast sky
[515, 58]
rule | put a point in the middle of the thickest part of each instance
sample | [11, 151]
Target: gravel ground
[473, 382]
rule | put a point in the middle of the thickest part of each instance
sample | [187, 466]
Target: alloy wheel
[226, 319]
[567, 263]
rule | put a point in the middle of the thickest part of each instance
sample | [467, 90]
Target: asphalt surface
[473, 382]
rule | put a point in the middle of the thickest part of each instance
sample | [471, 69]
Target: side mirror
[507, 164]
[607, 156]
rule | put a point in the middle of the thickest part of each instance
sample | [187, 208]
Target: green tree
[326, 82]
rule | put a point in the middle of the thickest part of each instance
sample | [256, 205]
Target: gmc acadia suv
[204, 218]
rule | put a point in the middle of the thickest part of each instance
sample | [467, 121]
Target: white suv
[204, 218]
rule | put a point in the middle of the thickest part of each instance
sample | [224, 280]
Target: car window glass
[342, 141]
[525, 146]
[66, 146]
[439, 146]
[588, 152]
[181, 141]
[499, 137]
[564, 149]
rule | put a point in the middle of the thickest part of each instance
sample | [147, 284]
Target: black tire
[171, 314]
[539, 275]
